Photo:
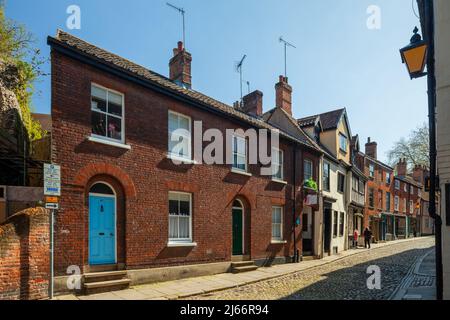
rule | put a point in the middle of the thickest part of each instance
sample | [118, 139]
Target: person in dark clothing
[367, 237]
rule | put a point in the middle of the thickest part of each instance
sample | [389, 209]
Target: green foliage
[16, 49]
[310, 184]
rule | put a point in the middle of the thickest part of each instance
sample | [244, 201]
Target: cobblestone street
[344, 279]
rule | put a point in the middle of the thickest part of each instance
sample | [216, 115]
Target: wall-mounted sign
[52, 180]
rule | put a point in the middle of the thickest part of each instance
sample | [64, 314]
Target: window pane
[98, 123]
[184, 123]
[173, 207]
[241, 148]
[173, 227]
[98, 99]
[184, 227]
[276, 232]
[114, 104]
[185, 208]
[114, 128]
[173, 122]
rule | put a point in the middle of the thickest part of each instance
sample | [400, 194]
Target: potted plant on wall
[310, 186]
[310, 189]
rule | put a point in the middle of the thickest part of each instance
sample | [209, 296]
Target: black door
[327, 230]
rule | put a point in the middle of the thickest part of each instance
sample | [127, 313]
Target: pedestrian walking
[367, 237]
[355, 238]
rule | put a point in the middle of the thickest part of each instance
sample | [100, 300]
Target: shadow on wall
[350, 283]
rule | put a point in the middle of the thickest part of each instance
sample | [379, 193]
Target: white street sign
[52, 180]
[53, 206]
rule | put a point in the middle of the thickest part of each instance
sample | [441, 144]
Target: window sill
[279, 181]
[109, 143]
[278, 242]
[244, 173]
[181, 244]
[181, 160]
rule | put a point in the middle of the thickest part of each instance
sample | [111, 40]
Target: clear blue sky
[338, 62]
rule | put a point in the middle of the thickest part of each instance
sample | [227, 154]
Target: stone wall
[24, 256]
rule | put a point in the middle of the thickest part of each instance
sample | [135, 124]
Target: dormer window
[343, 143]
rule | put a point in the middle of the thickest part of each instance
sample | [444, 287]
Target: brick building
[379, 198]
[127, 204]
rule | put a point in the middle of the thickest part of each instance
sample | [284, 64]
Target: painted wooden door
[102, 230]
[237, 232]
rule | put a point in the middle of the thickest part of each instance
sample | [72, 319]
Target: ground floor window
[180, 217]
[277, 223]
[335, 224]
[341, 224]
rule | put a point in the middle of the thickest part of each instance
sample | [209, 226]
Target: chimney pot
[371, 148]
[180, 46]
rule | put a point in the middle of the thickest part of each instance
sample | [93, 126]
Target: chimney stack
[253, 103]
[371, 149]
[180, 67]
[402, 167]
[284, 95]
[420, 173]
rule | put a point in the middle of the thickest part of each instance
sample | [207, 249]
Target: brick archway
[84, 175]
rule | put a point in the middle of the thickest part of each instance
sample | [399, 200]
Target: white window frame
[397, 185]
[181, 240]
[397, 203]
[405, 210]
[281, 238]
[169, 151]
[106, 138]
[411, 206]
[234, 152]
[388, 178]
[279, 165]
[312, 168]
[343, 137]
[340, 174]
[328, 187]
[411, 190]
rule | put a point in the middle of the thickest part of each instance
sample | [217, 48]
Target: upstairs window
[371, 198]
[239, 153]
[411, 207]
[179, 136]
[371, 170]
[396, 203]
[411, 190]
[388, 201]
[326, 176]
[388, 177]
[404, 206]
[308, 169]
[107, 114]
[277, 164]
[380, 199]
[341, 183]
[397, 184]
[342, 142]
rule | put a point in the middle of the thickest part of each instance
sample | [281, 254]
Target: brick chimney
[402, 167]
[420, 173]
[371, 149]
[253, 103]
[180, 67]
[284, 95]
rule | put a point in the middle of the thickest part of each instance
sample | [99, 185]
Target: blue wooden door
[102, 230]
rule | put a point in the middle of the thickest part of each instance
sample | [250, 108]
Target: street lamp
[414, 55]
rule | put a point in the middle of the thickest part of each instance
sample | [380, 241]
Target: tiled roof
[409, 180]
[110, 59]
[329, 120]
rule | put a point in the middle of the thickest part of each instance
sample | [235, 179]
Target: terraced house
[332, 132]
[129, 209]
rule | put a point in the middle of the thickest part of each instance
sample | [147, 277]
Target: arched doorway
[238, 228]
[102, 224]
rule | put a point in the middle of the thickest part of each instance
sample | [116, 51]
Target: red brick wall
[146, 176]
[24, 256]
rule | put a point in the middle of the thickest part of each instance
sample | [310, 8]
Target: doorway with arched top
[102, 224]
[238, 222]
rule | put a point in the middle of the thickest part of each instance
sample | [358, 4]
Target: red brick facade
[143, 176]
[24, 256]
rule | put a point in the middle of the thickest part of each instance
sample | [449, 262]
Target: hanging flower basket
[310, 186]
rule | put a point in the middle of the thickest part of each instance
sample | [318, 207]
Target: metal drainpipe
[429, 22]
[295, 258]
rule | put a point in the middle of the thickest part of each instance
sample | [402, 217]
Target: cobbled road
[345, 279]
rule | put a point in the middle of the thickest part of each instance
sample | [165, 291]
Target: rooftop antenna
[286, 44]
[248, 86]
[182, 11]
[239, 69]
